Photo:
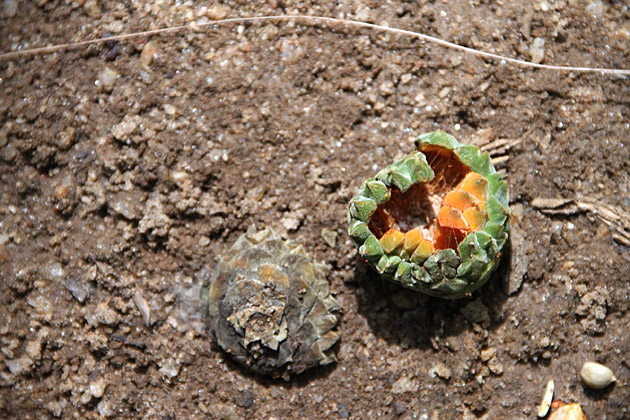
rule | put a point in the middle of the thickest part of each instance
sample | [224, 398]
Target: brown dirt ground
[117, 192]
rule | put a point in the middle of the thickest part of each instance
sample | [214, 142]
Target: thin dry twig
[313, 19]
[616, 218]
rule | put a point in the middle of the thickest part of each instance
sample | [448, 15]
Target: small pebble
[143, 307]
[222, 411]
[103, 314]
[34, 349]
[126, 127]
[92, 8]
[487, 354]
[105, 408]
[169, 368]
[55, 408]
[290, 223]
[537, 50]
[442, 371]
[107, 77]
[19, 366]
[97, 388]
[330, 236]
[10, 7]
[495, 366]
[170, 109]
[148, 53]
[404, 384]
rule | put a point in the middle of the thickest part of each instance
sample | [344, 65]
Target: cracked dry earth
[127, 167]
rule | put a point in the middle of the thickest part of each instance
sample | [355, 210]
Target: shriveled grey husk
[268, 305]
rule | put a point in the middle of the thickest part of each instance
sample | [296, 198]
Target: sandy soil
[127, 167]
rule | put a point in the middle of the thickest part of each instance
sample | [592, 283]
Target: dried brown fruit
[268, 305]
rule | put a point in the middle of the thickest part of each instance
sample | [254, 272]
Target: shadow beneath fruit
[412, 319]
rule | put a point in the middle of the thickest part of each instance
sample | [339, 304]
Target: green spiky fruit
[435, 221]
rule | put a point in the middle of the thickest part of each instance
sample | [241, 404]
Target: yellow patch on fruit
[475, 184]
[392, 240]
[412, 240]
[450, 217]
[476, 218]
[423, 251]
[460, 199]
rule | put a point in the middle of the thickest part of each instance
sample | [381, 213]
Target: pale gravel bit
[593, 306]
[54, 272]
[404, 384]
[105, 408]
[92, 8]
[127, 205]
[495, 366]
[103, 314]
[330, 237]
[222, 411]
[487, 354]
[42, 306]
[107, 77]
[34, 349]
[149, 52]
[442, 371]
[170, 109]
[218, 11]
[19, 366]
[290, 223]
[55, 408]
[537, 50]
[97, 388]
[155, 221]
[169, 368]
[10, 8]
[143, 307]
[126, 127]
[597, 8]
[65, 138]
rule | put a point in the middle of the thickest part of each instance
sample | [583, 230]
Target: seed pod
[568, 412]
[597, 376]
[436, 220]
[268, 305]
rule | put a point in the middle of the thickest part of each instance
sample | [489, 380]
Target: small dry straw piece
[543, 408]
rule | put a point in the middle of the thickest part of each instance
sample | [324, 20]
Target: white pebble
[537, 50]
[107, 77]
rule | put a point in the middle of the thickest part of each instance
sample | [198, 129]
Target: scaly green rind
[359, 232]
[362, 208]
[402, 174]
[375, 190]
[438, 138]
[444, 273]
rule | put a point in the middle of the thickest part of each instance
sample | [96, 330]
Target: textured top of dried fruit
[268, 305]
[436, 220]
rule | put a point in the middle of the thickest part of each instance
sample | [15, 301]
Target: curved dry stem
[313, 19]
